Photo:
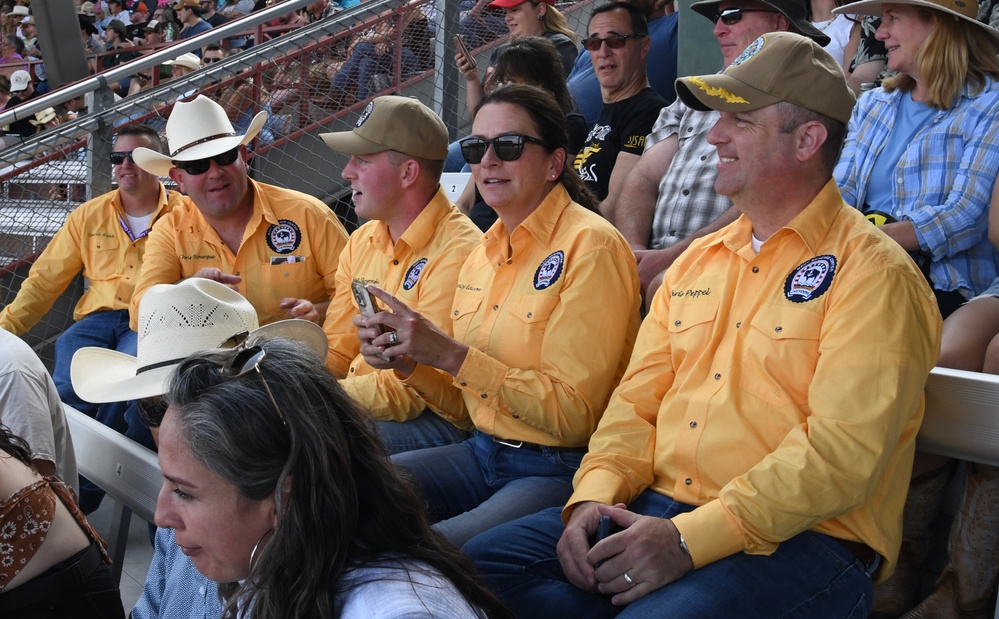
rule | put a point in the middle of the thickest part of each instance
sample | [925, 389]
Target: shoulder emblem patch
[549, 271]
[285, 237]
[810, 280]
[413, 274]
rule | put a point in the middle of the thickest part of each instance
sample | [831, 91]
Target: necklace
[823, 25]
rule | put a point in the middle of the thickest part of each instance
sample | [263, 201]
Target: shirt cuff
[600, 485]
[482, 375]
[712, 533]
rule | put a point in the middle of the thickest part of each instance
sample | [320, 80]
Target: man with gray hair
[756, 455]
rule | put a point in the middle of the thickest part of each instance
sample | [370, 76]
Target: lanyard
[128, 230]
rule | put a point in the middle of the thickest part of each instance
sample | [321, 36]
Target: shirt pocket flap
[464, 305]
[689, 314]
[788, 323]
[533, 308]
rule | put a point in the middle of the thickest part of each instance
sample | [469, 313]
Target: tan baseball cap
[779, 66]
[401, 124]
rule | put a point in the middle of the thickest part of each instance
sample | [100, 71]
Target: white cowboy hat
[196, 130]
[187, 60]
[46, 115]
[19, 10]
[962, 9]
[176, 321]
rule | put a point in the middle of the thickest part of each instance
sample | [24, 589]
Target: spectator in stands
[935, 126]
[174, 588]
[321, 9]
[152, 33]
[117, 12]
[868, 63]
[140, 17]
[276, 246]
[618, 45]
[374, 52]
[115, 37]
[210, 15]
[751, 477]
[481, 23]
[29, 34]
[182, 65]
[189, 14]
[22, 89]
[236, 8]
[212, 53]
[533, 61]
[13, 50]
[660, 61]
[106, 239]
[45, 119]
[413, 246]
[31, 408]
[92, 45]
[532, 361]
[273, 427]
[669, 199]
[52, 562]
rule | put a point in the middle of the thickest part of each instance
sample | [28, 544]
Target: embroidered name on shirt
[469, 288]
[549, 270]
[413, 274]
[285, 237]
[197, 257]
[690, 294]
[810, 280]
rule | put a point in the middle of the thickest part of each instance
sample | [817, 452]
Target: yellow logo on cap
[721, 93]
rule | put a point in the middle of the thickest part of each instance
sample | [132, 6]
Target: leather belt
[864, 553]
[537, 447]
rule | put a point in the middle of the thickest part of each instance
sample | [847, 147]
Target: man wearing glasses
[106, 239]
[189, 14]
[277, 247]
[618, 45]
[669, 197]
[413, 246]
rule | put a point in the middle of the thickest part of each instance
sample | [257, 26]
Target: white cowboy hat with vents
[176, 321]
[187, 60]
[196, 130]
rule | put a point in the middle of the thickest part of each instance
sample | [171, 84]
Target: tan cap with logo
[401, 124]
[780, 66]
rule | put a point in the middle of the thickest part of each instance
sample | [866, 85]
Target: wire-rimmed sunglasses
[200, 166]
[615, 41]
[507, 147]
[733, 16]
[118, 157]
[246, 361]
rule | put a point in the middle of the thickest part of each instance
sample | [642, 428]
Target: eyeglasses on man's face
[733, 16]
[200, 166]
[615, 41]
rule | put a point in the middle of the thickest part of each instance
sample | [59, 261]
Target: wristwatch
[683, 546]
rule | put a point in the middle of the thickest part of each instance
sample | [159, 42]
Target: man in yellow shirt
[412, 246]
[756, 455]
[277, 247]
[106, 239]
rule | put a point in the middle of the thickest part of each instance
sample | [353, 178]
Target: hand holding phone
[464, 54]
[605, 529]
[367, 306]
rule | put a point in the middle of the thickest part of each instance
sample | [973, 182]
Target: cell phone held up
[462, 49]
[367, 305]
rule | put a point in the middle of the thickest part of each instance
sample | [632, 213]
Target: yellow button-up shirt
[777, 392]
[550, 314]
[91, 239]
[290, 248]
[421, 269]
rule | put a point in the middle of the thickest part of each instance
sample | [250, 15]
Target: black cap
[794, 10]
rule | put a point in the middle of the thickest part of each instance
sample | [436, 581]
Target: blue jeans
[104, 330]
[427, 430]
[455, 161]
[809, 576]
[364, 63]
[478, 484]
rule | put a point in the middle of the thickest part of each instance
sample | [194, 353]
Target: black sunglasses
[200, 166]
[118, 157]
[246, 361]
[507, 147]
[210, 59]
[730, 17]
[615, 41]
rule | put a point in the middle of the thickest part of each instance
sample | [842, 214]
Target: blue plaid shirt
[943, 181]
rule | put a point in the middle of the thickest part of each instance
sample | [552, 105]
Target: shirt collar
[542, 221]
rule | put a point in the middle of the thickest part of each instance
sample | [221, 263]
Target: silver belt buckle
[514, 444]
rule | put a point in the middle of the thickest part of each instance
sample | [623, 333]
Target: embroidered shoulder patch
[285, 237]
[413, 274]
[549, 270]
[810, 280]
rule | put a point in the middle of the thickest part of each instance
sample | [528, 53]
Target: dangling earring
[541, 17]
[253, 553]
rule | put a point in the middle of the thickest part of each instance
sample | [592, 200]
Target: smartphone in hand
[367, 306]
[462, 49]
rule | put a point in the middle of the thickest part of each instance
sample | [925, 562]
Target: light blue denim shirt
[174, 588]
[943, 182]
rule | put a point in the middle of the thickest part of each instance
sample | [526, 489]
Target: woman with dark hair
[52, 563]
[544, 318]
[533, 61]
[275, 485]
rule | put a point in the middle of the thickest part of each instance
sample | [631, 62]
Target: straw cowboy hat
[45, 116]
[187, 60]
[176, 321]
[196, 130]
[961, 9]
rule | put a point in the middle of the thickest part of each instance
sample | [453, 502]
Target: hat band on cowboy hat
[196, 129]
[793, 10]
[962, 9]
[176, 321]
